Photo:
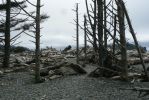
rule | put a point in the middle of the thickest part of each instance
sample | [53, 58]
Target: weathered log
[57, 65]
[77, 68]
[104, 72]
[63, 68]
[142, 91]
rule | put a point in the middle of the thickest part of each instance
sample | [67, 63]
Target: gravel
[20, 86]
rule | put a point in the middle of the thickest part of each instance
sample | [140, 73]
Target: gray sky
[58, 30]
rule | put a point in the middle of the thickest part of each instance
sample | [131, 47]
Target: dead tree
[105, 24]
[8, 25]
[100, 31]
[121, 3]
[37, 19]
[85, 39]
[94, 26]
[7, 35]
[77, 34]
[113, 45]
[122, 41]
[37, 51]
[93, 23]
[110, 24]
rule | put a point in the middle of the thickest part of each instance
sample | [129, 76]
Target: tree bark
[105, 24]
[77, 34]
[123, 42]
[115, 23]
[94, 26]
[7, 35]
[100, 30]
[37, 52]
[134, 37]
[85, 39]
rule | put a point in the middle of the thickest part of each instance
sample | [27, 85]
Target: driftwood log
[142, 91]
[137, 61]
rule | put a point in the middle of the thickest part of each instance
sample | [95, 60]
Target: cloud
[58, 29]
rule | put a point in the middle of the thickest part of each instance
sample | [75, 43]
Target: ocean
[145, 44]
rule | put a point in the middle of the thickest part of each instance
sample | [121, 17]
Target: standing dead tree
[121, 4]
[85, 39]
[107, 20]
[7, 35]
[77, 34]
[92, 22]
[100, 31]
[8, 25]
[34, 26]
[121, 20]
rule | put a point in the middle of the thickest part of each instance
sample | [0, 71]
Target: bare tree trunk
[85, 40]
[37, 52]
[134, 37]
[77, 34]
[123, 42]
[114, 35]
[94, 26]
[105, 24]
[100, 30]
[7, 35]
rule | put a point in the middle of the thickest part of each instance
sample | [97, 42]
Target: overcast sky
[58, 30]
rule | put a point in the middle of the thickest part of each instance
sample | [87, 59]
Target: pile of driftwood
[54, 64]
